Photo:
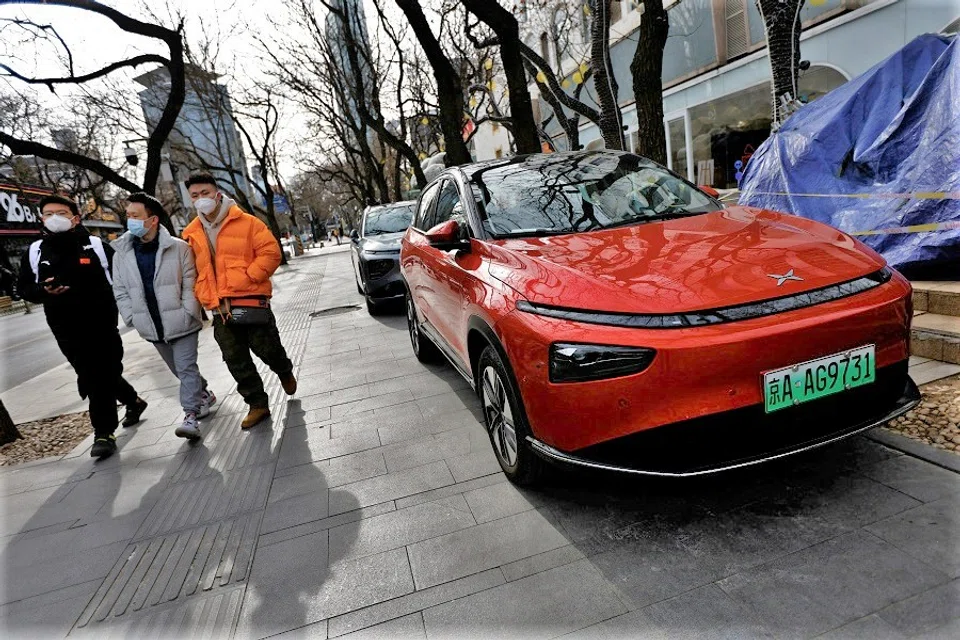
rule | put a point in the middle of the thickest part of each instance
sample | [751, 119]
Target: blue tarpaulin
[876, 157]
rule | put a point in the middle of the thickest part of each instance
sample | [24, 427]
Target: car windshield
[388, 219]
[569, 193]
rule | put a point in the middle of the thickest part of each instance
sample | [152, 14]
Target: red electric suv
[612, 315]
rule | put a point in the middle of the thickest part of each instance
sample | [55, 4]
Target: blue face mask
[137, 227]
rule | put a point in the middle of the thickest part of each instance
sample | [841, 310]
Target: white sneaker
[189, 428]
[207, 400]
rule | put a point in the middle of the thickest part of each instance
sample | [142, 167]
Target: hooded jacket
[173, 283]
[245, 255]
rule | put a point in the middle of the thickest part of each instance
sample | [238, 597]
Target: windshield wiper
[660, 217]
[525, 233]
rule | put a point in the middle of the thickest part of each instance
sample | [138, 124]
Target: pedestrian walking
[336, 235]
[236, 254]
[153, 280]
[68, 271]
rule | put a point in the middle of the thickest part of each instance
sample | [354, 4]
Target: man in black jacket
[68, 271]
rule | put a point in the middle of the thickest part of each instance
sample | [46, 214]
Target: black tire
[426, 351]
[373, 308]
[502, 413]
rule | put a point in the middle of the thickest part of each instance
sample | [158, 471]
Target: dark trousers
[96, 354]
[236, 344]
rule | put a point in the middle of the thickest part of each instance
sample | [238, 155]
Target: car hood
[382, 242]
[709, 261]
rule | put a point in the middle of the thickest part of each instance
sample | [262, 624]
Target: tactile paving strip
[184, 574]
[164, 569]
[218, 496]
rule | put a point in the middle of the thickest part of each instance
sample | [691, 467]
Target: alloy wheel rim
[499, 415]
[413, 327]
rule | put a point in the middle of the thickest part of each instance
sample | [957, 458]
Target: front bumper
[748, 436]
[381, 276]
[698, 372]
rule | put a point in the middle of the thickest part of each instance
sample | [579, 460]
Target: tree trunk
[504, 24]
[781, 21]
[604, 82]
[271, 215]
[449, 86]
[8, 430]
[647, 70]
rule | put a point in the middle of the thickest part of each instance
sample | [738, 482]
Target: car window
[387, 219]
[449, 206]
[428, 202]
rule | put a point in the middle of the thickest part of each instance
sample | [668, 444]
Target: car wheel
[505, 422]
[373, 308]
[425, 350]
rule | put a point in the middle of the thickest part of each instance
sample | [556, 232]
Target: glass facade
[727, 131]
[677, 142]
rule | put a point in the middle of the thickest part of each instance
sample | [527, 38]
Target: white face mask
[206, 206]
[58, 224]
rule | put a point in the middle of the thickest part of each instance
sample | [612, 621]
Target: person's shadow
[300, 574]
[74, 525]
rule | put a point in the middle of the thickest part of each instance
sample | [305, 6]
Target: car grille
[379, 268]
[731, 436]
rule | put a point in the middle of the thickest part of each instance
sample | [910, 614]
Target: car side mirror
[355, 235]
[710, 191]
[448, 236]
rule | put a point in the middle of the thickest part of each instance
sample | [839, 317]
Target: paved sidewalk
[373, 505]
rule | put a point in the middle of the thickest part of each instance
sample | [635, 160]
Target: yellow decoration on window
[586, 9]
[424, 121]
[583, 68]
[565, 84]
[818, 3]
[491, 85]
[488, 64]
[577, 77]
[541, 77]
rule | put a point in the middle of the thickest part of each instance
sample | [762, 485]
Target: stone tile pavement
[373, 507]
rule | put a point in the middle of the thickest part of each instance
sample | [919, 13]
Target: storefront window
[678, 147]
[728, 130]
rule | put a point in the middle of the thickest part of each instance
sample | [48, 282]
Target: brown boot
[254, 416]
[289, 383]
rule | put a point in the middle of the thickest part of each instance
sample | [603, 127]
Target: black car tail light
[379, 268]
[571, 362]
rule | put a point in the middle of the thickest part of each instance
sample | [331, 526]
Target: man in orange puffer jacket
[236, 254]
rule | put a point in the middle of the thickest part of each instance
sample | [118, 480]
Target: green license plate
[818, 378]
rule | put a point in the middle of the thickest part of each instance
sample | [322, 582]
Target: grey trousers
[181, 358]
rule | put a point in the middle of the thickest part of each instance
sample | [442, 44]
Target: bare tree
[171, 38]
[449, 85]
[504, 25]
[646, 70]
[604, 80]
[8, 430]
[781, 21]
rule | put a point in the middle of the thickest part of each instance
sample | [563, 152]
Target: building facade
[716, 73]
[204, 138]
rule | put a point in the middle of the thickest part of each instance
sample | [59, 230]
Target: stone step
[935, 336]
[937, 297]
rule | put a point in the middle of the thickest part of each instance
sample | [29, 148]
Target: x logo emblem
[787, 276]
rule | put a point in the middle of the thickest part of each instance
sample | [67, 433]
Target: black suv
[376, 253]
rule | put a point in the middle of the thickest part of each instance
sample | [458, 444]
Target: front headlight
[582, 362]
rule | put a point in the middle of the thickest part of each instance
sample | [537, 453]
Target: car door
[445, 299]
[414, 253]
